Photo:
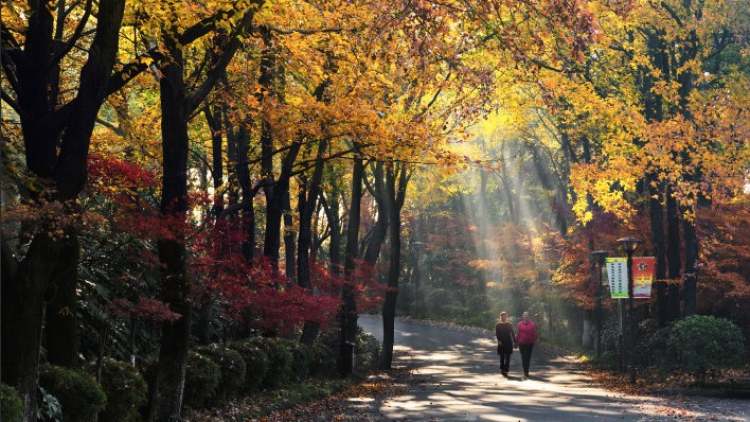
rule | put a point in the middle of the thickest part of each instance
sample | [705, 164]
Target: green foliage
[302, 358]
[232, 366]
[653, 348]
[280, 358]
[324, 349]
[700, 343]
[11, 408]
[201, 380]
[256, 363]
[79, 394]
[126, 391]
[367, 351]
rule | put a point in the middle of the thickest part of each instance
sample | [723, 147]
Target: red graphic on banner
[644, 270]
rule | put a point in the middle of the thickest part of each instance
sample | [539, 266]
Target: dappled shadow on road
[456, 377]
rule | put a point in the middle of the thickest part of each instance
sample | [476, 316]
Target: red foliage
[145, 308]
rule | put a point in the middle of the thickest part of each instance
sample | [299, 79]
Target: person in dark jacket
[506, 339]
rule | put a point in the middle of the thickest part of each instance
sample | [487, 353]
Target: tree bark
[56, 142]
[380, 231]
[658, 239]
[61, 327]
[348, 312]
[331, 208]
[307, 205]
[395, 193]
[673, 257]
[172, 251]
[690, 288]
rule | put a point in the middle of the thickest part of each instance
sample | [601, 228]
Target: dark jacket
[506, 337]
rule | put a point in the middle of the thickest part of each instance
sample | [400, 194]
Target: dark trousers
[526, 356]
[505, 362]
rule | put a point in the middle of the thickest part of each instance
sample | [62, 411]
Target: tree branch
[76, 34]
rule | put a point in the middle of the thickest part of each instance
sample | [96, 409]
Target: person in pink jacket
[526, 337]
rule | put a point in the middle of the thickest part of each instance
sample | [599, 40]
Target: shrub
[11, 407]
[700, 343]
[232, 368]
[79, 394]
[653, 349]
[323, 353]
[256, 363]
[126, 391]
[280, 360]
[367, 351]
[302, 359]
[201, 380]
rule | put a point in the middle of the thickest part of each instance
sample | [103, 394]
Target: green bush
[653, 349]
[232, 366]
[11, 407]
[302, 359]
[79, 394]
[202, 378]
[256, 363]
[280, 360]
[367, 351]
[700, 343]
[126, 391]
[323, 353]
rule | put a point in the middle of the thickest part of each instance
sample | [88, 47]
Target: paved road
[457, 379]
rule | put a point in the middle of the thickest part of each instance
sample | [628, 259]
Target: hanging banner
[644, 270]
[617, 275]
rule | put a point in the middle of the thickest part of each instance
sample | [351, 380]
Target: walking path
[456, 378]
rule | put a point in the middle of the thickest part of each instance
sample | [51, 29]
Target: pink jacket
[526, 332]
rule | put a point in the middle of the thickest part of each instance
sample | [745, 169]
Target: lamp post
[629, 245]
[597, 262]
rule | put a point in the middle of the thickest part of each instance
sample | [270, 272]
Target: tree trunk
[673, 257]
[690, 288]
[380, 231]
[243, 179]
[657, 237]
[395, 195]
[331, 208]
[172, 251]
[348, 312]
[56, 142]
[307, 206]
[290, 243]
[61, 327]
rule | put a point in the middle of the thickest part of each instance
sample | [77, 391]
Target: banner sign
[644, 269]
[617, 275]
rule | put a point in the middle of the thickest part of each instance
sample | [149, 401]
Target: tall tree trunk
[380, 231]
[395, 194]
[307, 206]
[56, 141]
[690, 288]
[61, 327]
[673, 256]
[331, 208]
[243, 178]
[172, 251]
[290, 243]
[348, 312]
[658, 240]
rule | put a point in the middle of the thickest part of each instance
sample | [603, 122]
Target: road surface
[457, 379]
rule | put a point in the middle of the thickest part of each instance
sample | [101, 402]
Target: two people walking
[507, 338]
